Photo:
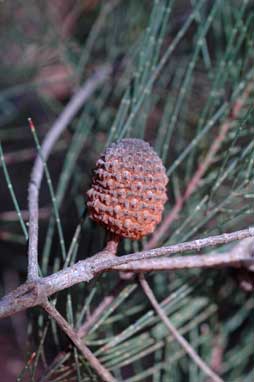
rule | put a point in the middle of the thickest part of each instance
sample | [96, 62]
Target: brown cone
[128, 190]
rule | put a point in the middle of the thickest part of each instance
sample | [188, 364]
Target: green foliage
[184, 67]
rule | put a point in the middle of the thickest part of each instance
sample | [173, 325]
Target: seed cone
[128, 189]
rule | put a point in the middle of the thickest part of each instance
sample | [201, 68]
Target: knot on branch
[31, 292]
[25, 296]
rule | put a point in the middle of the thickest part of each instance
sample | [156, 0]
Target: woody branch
[36, 292]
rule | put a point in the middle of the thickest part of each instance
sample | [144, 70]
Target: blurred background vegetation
[179, 68]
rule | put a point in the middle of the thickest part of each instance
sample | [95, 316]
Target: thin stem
[51, 189]
[11, 216]
[12, 193]
[89, 323]
[76, 102]
[175, 333]
[27, 154]
[70, 332]
[93, 34]
[186, 262]
[110, 249]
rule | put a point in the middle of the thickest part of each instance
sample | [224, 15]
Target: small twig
[12, 237]
[88, 324]
[58, 361]
[110, 249]
[98, 311]
[11, 216]
[106, 9]
[175, 333]
[50, 187]
[217, 355]
[86, 352]
[176, 263]
[59, 126]
[27, 154]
